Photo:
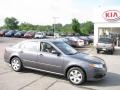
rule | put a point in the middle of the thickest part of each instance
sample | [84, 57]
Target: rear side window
[30, 46]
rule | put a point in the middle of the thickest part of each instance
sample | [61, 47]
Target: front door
[48, 59]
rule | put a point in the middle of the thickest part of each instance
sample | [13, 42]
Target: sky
[47, 12]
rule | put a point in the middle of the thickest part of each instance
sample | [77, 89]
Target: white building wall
[102, 23]
[95, 34]
[115, 27]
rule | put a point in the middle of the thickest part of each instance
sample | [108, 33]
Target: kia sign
[111, 15]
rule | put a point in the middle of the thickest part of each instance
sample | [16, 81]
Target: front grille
[99, 76]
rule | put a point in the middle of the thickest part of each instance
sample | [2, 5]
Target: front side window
[45, 47]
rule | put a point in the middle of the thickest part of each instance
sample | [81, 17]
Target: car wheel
[98, 51]
[111, 52]
[76, 76]
[16, 64]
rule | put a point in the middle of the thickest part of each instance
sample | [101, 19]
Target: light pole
[54, 23]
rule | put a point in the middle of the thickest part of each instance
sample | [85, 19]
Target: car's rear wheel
[98, 51]
[76, 76]
[111, 52]
[16, 64]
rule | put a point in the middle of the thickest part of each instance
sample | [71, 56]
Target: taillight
[96, 45]
[75, 41]
[81, 41]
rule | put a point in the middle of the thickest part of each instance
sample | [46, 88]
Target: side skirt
[44, 71]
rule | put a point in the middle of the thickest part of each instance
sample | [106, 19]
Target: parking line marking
[51, 85]
[79, 86]
[30, 83]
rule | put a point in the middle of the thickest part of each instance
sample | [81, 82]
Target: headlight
[96, 65]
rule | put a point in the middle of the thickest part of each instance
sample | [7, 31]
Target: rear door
[29, 53]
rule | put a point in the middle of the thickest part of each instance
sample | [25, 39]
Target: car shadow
[111, 79]
[117, 51]
[43, 74]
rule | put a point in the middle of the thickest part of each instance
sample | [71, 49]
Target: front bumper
[105, 49]
[96, 73]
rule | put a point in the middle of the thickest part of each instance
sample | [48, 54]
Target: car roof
[43, 40]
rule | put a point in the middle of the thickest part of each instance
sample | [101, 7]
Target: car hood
[88, 58]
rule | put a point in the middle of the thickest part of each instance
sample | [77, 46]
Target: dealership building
[107, 24]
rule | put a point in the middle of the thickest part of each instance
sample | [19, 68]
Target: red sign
[111, 15]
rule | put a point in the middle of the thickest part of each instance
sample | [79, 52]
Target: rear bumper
[1, 34]
[28, 36]
[6, 59]
[38, 37]
[78, 44]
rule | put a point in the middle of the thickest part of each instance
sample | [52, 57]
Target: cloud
[36, 11]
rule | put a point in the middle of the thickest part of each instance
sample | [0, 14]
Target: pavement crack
[86, 88]
[79, 86]
[30, 83]
[51, 85]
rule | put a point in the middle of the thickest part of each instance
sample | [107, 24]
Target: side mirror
[57, 53]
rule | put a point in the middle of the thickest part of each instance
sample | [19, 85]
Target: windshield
[105, 40]
[65, 48]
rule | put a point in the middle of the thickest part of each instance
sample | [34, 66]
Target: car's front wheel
[76, 75]
[16, 64]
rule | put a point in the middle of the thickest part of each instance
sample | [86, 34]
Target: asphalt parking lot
[35, 80]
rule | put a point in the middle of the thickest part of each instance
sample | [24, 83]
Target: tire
[76, 76]
[98, 51]
[16, 64]
[111, 52]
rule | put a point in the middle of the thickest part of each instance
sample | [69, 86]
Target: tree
[75, 25]
[45, 28]
[2, 27]
[26, 26]
[11, 23]
[87, 28]
[67, 28]
[57, 27]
